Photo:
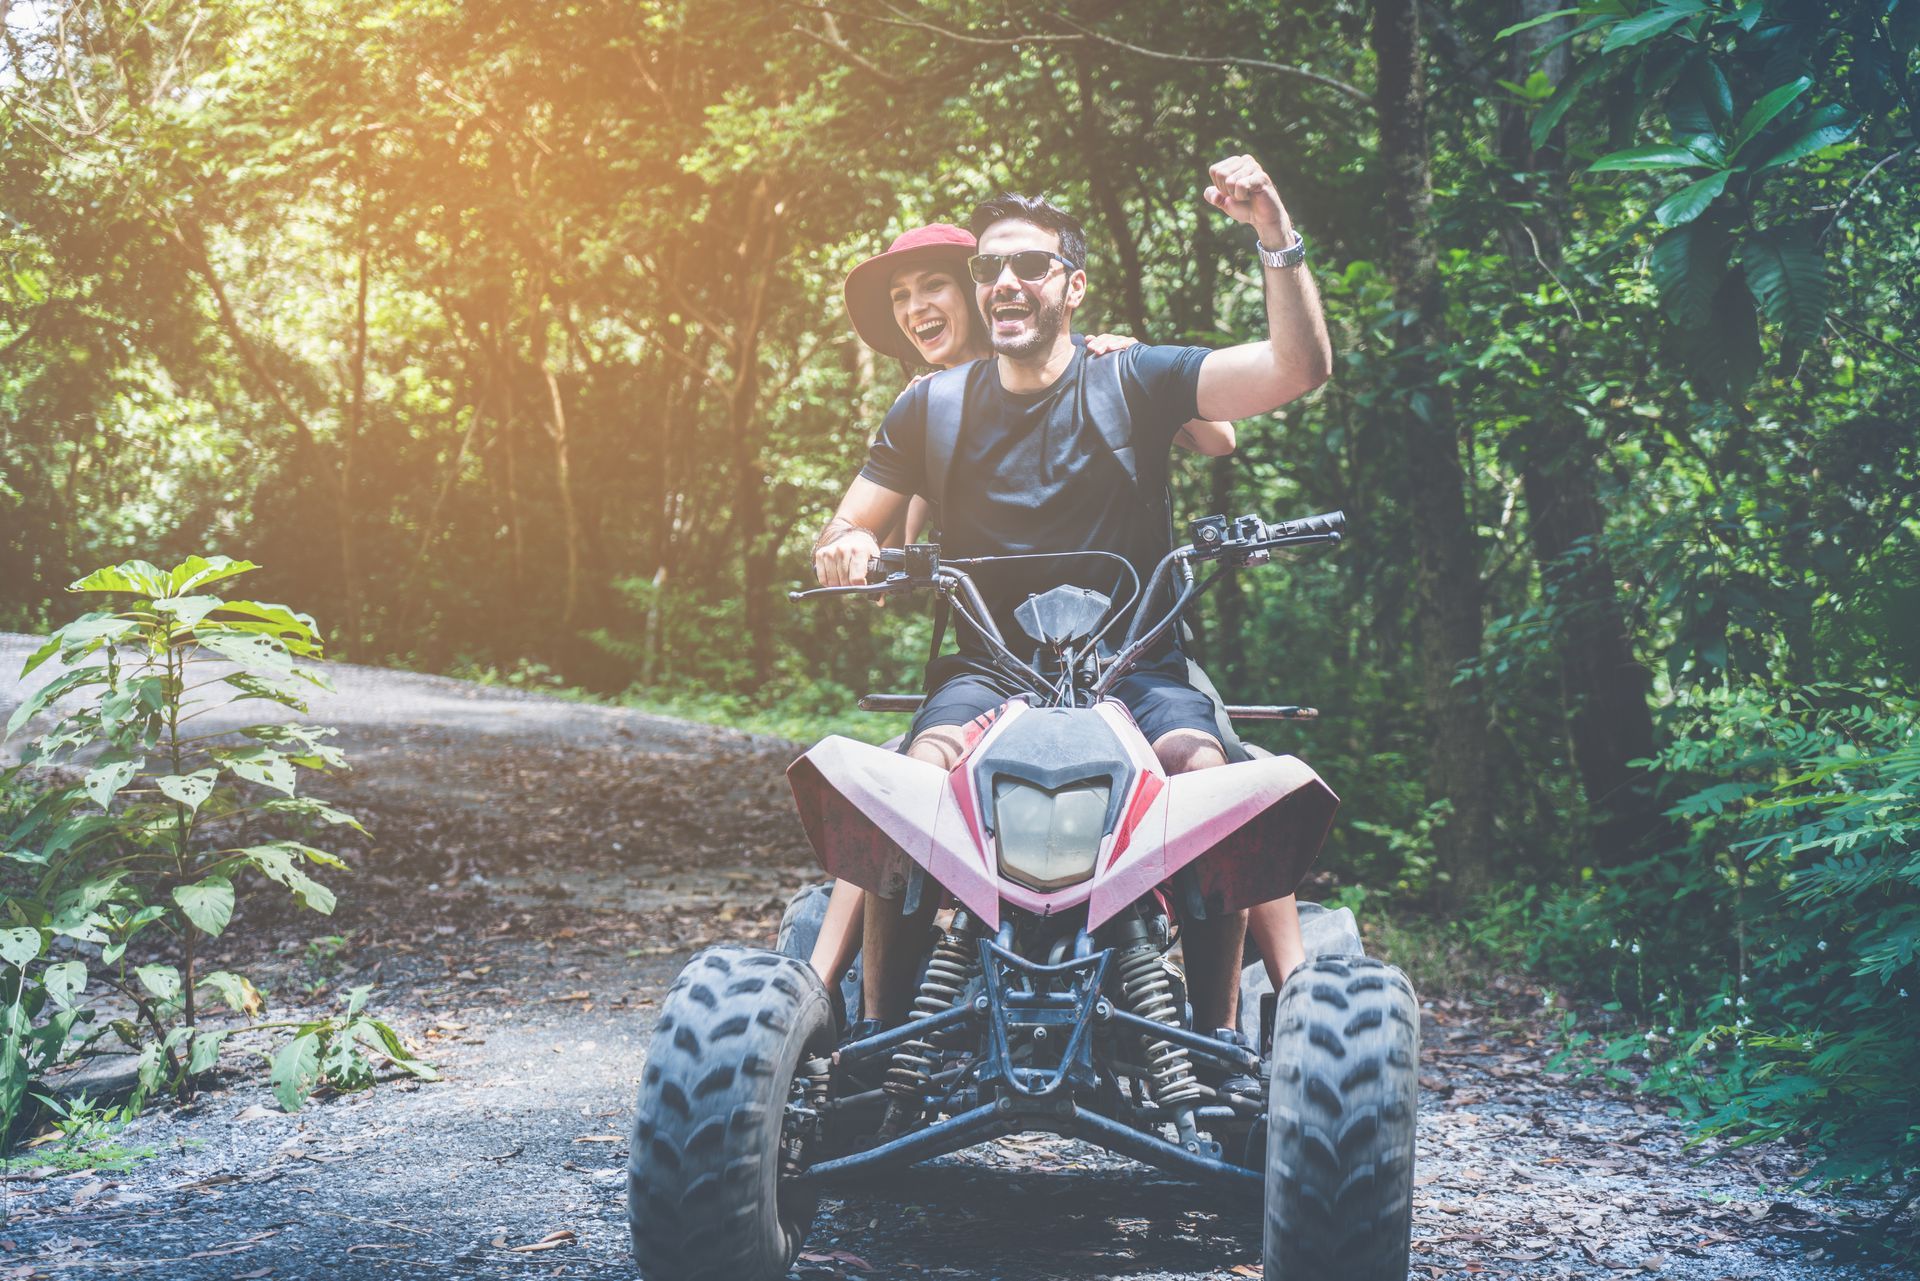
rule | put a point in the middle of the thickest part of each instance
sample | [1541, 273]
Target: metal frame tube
[912, 1030]
[1237, 1055]
[1127, 1141]
[956, 1132]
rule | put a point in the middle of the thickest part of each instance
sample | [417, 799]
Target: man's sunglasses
[1028, 264]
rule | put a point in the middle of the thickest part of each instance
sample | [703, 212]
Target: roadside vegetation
[131, 830]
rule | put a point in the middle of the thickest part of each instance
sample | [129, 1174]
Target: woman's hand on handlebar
[841, 557]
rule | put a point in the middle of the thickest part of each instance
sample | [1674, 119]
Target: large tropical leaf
[185, 611]
[131, 576]
[1761, 113]
[1701, 100]
[1723, 355]
[250, 650]
[52, 692]
[1563, 98]
[1826, 127]
[294, 630]
[191, 790]
[1691, 201]
[296, 1070]
[279, 861]
[260, 765]
[107, 778]
[1688, 265]
[1645, 26]
[1788, 277]
[198, 571]
[1535, 21]
[209, 904]
[1642, 159]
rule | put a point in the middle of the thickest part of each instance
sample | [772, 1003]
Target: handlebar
[1247, 540]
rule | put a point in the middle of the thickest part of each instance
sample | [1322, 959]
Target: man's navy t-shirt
[1029, 474]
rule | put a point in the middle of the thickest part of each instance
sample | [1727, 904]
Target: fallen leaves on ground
[838, 1256]
[552, 1241]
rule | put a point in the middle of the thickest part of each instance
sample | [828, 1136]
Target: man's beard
[1048, 320]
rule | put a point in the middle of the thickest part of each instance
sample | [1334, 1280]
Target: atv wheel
[1340, 1123]
[704, 1194]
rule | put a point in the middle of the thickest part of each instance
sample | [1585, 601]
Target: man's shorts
[962, 689]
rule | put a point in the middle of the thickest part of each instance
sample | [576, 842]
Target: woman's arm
[1202, 435]
[918, 515]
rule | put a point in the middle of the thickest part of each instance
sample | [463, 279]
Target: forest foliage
[511, 335]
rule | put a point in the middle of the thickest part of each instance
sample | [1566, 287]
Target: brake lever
[888, 586]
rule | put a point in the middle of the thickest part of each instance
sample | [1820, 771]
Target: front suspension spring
[812, 1086]
[1149, 993]
[949, 971]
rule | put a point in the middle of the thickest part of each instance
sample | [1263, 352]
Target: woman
[915, 302]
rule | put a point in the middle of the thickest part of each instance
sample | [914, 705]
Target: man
[1030, 473]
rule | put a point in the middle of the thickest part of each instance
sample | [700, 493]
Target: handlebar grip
[1324, 523]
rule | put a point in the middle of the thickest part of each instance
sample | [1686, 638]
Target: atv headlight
[1049, 840]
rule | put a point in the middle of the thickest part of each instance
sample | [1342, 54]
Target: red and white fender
[1251, 829]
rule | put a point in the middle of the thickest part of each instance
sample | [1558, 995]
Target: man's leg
[1213, 947]
[891, 937]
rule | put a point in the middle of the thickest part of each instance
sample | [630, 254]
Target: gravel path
[539, 871]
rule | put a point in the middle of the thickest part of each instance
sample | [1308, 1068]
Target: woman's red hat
[867, 287]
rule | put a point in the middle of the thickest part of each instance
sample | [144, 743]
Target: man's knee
[1182, 751]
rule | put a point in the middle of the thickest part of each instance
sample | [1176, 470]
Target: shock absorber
[806, 1111]
[949, 971]
[1149, 993]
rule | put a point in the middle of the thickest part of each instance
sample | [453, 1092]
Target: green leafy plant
[1767, 972]
[145, 854]
[83, 1133]
[1741, 97]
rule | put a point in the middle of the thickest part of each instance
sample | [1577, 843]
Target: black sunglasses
[1028, 264]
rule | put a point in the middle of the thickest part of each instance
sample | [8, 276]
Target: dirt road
[538, 873]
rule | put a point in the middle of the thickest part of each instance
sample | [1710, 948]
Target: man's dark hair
[1039, 211]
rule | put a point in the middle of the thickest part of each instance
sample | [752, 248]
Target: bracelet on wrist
[838, 527]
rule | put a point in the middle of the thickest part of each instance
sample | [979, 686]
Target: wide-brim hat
[868, 284]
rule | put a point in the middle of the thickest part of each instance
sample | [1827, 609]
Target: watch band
[1291, 256]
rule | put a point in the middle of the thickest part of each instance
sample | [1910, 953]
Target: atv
[1048, 999]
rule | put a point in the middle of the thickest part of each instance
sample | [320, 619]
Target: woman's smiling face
[936, 313]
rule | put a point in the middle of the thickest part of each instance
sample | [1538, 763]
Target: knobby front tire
[1341, 1108]
[704, 1196]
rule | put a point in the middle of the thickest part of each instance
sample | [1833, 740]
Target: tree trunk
[1096, 149]
[1603, 685]
[503, 364]
[749, 480]
[351, 426]
[569, 509]
[1448, 591]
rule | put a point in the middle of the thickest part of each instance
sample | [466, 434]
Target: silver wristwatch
[1292, 256]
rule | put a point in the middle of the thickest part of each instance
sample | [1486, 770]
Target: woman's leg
[839, 936]
[1275, 927]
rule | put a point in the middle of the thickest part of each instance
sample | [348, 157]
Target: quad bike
[1048, 1000]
